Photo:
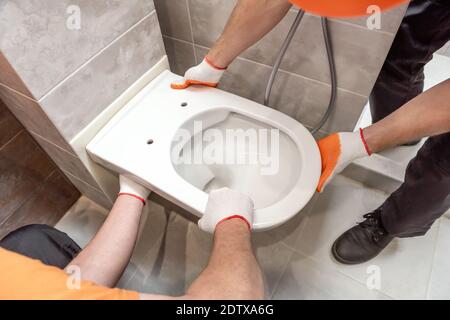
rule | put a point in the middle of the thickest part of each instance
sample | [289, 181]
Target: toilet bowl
[177, 143]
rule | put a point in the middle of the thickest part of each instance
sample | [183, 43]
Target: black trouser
[425, 194]
[43, 243]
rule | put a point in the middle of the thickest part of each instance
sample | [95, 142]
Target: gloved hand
[204, 74]
[338, 151]
[130, 188]
[226, 204]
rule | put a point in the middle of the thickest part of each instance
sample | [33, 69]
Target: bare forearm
[426, 115]
[232, 272]
[107, 255]
[249, 22]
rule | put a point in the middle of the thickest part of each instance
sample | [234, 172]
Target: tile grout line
[319, 262]
[55, 145]
[30, 196]
[18, 92]
[427, 293]
[192, 31]
[282, 273]
[130, 29]
[81, 180]
[295, 75]
[10, 140]
[348, 23]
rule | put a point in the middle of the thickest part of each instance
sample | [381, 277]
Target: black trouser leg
[425, 194]
[424, 29]
[42, 242]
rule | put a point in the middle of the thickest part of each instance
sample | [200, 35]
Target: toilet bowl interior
[221, 148]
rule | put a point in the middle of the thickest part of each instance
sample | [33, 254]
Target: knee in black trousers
[42, 242]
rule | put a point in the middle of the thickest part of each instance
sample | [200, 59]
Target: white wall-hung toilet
[157, 137]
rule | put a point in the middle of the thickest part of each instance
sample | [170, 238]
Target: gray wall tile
[445, 50]
[30, 114]
[389, 19]
[243, 77]
[209, 18]
[89, 191]
[66, 161]
[306, 100]
[181, 55]
[358, 53]
[301, 98]
[76, 102]
[9, 77]
[174, 18]
[43, 51]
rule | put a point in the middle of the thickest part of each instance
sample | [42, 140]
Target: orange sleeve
[22, 278]
[346, 8]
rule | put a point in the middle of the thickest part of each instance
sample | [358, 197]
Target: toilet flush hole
[150, 141]
[184, 104]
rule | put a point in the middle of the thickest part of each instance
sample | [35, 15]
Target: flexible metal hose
[329, 49]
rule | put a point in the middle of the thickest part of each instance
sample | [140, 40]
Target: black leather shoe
[362, 242]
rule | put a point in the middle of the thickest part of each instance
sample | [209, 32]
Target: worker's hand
[133, 189]
[204, 74]
[338, 151]
[226, 204]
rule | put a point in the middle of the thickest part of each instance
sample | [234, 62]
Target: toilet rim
[301, 192]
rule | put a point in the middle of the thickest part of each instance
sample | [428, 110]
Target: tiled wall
[32, 189]
[445, 50]
[302, 88]
[56, 80]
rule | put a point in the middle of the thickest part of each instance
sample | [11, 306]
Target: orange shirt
[22, 278]
[344, 8]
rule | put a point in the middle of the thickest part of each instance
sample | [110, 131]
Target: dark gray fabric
[424, 29]
[425, 194]
[42, 242]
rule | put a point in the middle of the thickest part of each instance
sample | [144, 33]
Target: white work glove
[130, 188]
[204, 74]
[226, 204]
[338, 151]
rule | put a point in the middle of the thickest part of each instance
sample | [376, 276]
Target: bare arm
[107, 255]
[249, 22]
[426, 115]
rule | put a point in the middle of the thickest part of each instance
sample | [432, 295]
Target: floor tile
[439, 287]
[23, 168]
[405, 265]
[46, 206]
[172, 251]
[307, 279]
[174, 258]
[9, 126]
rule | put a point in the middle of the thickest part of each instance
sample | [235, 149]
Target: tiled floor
[32, 189]
[295, 257]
